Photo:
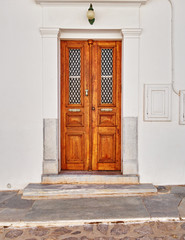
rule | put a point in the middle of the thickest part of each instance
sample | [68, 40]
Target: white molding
[182, 108]
[124, 33]
[93, 1]
[131, 32]
[84, 34]
[51, 65]
[49, 32]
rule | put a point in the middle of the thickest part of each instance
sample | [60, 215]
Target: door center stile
[90, 43]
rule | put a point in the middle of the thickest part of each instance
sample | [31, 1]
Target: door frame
[130, 40]
[98, 35]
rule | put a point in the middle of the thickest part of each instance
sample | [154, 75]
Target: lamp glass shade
[90, 14]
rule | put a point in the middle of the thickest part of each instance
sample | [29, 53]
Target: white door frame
[51, 92]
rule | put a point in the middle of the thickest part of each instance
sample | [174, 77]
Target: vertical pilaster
[50, 99]
[130, 84]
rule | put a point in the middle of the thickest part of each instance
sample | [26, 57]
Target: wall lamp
[91, 14]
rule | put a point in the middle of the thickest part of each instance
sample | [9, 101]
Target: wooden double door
[90, 105]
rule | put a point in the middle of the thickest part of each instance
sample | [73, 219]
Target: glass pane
[74, 76]
[106, 76]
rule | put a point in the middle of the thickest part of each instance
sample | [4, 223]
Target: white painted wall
[20, 93]
[161, 145]
[74, 16]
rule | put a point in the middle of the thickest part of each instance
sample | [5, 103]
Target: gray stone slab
[50, 138]
[12, 215]
[130, 166]
[180, 190]
[1, 209]
[91, 186]
[4, 195]
[16, 202]
[84, 190]
[85, 209]
[181, 208]
[50, 167]
[130, 138]
[165, 206]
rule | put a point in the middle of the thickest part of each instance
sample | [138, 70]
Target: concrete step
[89, 179]
[54, 191]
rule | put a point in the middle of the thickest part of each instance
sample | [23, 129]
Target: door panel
[106, 146]
[74, 150]
[91, 105]
[74, 105]
[106, 119]
[74, 120]
[106, 100]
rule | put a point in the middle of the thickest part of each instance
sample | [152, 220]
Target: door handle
[86, 92]
[93, 108]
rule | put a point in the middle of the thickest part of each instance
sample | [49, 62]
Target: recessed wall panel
[157, 102]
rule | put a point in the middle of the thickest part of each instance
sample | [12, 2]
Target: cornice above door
[93, 1]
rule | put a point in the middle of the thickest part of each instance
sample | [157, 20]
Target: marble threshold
[56, 191]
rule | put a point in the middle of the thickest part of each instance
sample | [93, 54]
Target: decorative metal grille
[74, 76]
[106, 75]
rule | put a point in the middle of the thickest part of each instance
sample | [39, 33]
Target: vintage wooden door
[90, 105]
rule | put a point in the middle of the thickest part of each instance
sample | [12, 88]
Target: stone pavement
[121, 231]
[160, 216]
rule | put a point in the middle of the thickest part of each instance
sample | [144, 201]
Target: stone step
[54, 191]
[90, 179]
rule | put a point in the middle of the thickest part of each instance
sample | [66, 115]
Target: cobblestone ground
[121, 231]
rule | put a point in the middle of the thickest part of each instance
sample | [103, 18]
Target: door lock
[86, 92]
[93, 108]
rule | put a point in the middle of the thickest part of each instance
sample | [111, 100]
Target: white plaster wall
[20, 93]
[74, 16]
[161, 145]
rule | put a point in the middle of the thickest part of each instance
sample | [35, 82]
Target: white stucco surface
[161, 145]
[24, 100]
[20, 93]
